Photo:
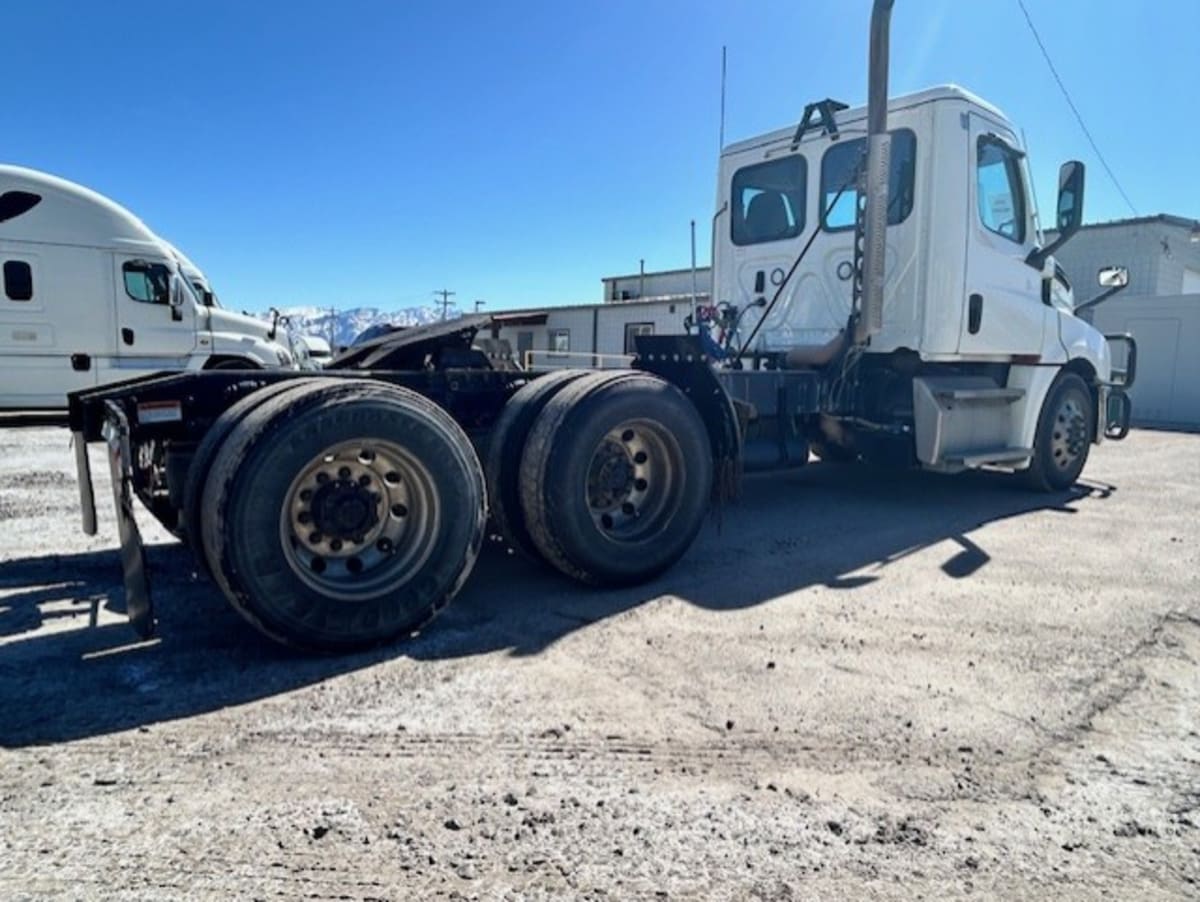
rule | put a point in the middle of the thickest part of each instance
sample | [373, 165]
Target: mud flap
[138, 606]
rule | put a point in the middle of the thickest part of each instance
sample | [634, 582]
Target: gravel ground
[859, 684]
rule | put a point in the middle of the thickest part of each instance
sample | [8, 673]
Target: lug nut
[627, 435]
[640, 484]
[316, 538]
[364, 480]
[335, 544]
[343, 473]
[384, 545]
[306, 494]
[640, 457]
[304, 516]
[322, 477]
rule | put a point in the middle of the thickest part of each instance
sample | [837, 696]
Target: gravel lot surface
[860, 685]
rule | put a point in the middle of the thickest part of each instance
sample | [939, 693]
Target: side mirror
[1068, 214]
[175, 298]
[1113, 277]
[1070, 199]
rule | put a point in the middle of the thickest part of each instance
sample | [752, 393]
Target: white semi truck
[885, 268]
[89, 295]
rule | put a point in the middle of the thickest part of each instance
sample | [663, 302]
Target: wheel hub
[631, 478]
[344, 509]
[611, 477]
[359, 516]
[1069, 437]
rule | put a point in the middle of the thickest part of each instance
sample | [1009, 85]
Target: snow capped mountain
[341, 327]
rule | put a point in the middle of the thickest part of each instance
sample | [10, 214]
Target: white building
[1160, 308]
[578, 334]
[669, 284]
[590, 334]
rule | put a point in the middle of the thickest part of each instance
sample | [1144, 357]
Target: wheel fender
[1036, 380]
[681, 360]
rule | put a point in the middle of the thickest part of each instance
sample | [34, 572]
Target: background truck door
[1002, 297]
[151, 334]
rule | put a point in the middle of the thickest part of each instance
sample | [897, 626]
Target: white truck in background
[90, 295]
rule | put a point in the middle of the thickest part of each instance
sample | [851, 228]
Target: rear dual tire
[615, 478]
[342, 514]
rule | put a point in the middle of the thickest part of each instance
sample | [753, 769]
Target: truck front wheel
[343, 516]
[1064, 435]
[616, 478]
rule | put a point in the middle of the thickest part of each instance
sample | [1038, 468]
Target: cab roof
[847, 117]
[68, 213]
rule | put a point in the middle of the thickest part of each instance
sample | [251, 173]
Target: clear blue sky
[366, 153]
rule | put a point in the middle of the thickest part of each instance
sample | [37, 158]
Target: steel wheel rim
[361, 517]
[634, 480]
[1068, 436]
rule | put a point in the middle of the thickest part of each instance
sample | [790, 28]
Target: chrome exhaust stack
[873, 194]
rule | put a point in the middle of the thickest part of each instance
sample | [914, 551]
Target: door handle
[974, 313]
[127, 335]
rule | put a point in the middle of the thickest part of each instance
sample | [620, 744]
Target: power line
[1071, 103]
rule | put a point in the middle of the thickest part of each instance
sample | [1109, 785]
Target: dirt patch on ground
[862, 685]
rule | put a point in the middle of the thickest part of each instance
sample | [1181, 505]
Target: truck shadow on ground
[838, 527]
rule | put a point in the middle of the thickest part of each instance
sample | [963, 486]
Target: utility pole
[479, 304]
[445, 296]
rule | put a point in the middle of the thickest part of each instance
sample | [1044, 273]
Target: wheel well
[224, 362]
[1085, 370]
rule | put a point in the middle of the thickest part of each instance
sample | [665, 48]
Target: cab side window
[839, 180]
[18, 280]
[148, 283]
[999, 189]
[768, 200]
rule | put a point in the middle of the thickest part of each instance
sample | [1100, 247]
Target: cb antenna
[722, 135]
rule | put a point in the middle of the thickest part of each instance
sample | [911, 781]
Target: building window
[560, 340]
[999, 190]
[632, 330]
[18, 280]
[839, 173]
[149, 283]
[14, 203]
[768, 200]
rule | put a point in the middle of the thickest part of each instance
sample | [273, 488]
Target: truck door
[151, 334]
[1002, 298]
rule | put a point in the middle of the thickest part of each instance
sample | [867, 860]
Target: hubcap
[1068, 440]
[360, 517]
[633, 480]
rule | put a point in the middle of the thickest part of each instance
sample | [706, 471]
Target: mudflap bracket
[138, 605]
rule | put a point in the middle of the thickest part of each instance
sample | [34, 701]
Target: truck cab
[90, 295]
[976, 319]
[961, 223]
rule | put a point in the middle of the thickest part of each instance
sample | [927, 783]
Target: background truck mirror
[1113, 277]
